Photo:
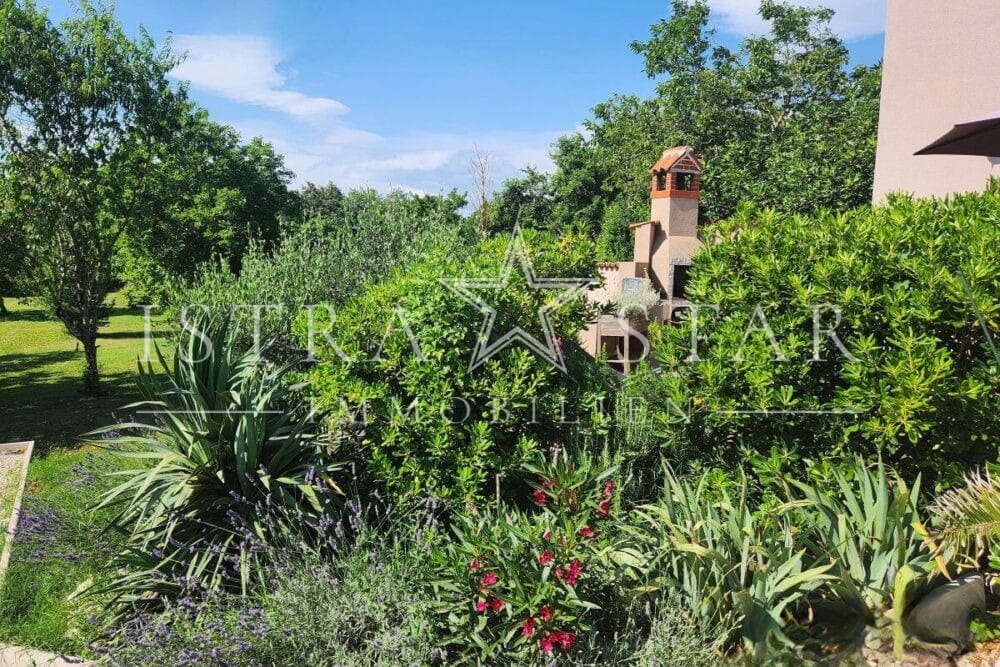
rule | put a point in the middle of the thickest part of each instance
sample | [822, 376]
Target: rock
[942, 616]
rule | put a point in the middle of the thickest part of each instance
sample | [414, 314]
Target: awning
[973, 137]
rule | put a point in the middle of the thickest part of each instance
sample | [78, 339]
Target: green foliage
[741, 573]
[362, 608]
[967, 518]
[85, 113]
[922, 388]
[865, 521]
[525, 201]
[401, 366]
[518, 588]
[229, 438]
[213, 195]
[781, 121]
[615, 241]
[327, 259]
[676, 638]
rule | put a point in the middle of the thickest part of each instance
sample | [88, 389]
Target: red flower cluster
[571, 574]
[587, 532]
[604, 506]
[562, 638]
[482, 604]
[545, 558]
[540, 497]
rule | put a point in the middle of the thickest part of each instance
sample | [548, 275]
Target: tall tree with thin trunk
[85, 113]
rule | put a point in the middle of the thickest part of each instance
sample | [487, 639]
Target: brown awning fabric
[974, 137]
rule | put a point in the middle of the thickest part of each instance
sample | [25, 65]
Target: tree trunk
[91, 377]
[3, 308]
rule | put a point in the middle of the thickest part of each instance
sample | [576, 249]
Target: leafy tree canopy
[781, 120]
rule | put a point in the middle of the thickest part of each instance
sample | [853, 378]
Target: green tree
[323, 201]
[616, 240]
[524, 200]
[782, 120]
[211, 196]
[84, 117]
[330, 259]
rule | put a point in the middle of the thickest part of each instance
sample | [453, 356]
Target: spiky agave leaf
[227, 442]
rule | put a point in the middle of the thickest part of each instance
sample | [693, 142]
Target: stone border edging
[15, 508]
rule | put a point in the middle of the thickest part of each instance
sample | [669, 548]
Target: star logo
[517, 255]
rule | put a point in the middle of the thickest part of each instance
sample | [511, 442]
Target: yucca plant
[868, 527]
[966, 519]
[739, 572]
[228, 447]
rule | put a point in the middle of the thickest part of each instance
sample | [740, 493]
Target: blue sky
[399, 94]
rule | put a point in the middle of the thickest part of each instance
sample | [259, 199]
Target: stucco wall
[941, 67]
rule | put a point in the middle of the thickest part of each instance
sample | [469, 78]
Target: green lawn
[60, 543]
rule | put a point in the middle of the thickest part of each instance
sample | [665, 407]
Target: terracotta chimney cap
[673, 156]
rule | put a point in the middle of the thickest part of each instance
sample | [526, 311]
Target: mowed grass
[61, 543]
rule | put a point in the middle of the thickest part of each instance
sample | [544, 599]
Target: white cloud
[325, 147]
[245, 69]
[854, 19]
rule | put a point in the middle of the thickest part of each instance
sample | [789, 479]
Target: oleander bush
[524, 587]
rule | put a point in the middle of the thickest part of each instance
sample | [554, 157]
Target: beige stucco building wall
[941, 67]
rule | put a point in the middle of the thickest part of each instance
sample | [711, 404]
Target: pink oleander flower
[547, 535]
[528, 627]
[480, 606]
[564, 638]
[559, 573]
[488, 580]
[545, 558]
[474, 565]
[587, 532]
[540, 497]
[603, 508]
[546, 644]
[548, 483]
[545, 613]
[496, 604]
[573, 573]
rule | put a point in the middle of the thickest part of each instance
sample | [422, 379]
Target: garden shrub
[516, 587]
[676, 638]
[397, 385]
[228, 437]
[327, 259]
[364, 607]
[924, 387]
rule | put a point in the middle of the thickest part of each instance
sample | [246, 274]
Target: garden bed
[14, 460]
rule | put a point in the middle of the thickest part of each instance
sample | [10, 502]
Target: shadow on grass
[24, 368]
[37, 407]
[32, 314]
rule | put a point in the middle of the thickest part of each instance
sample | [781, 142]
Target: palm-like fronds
[228, 443]
[967, 518]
